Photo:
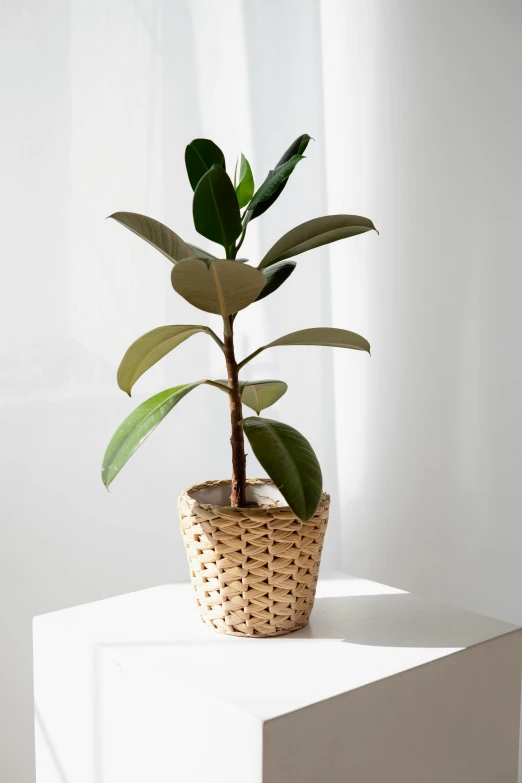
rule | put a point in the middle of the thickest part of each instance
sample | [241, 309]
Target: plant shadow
[398, 620]
[383, 620]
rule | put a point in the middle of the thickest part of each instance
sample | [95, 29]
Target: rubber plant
[223, 209]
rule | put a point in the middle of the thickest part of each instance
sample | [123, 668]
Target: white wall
[416, 115]
[100, 99]
[430, 122]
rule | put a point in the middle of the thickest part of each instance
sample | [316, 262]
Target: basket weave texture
[254, 570]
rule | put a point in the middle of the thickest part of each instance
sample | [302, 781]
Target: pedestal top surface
[360, 632]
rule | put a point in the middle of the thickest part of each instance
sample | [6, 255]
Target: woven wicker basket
[254, 569]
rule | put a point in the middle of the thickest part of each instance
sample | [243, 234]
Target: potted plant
[253, 545]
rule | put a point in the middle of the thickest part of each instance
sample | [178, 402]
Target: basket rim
[187, 496]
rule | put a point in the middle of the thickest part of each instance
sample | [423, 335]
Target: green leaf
[156, 234]
[273, 182]
[200, 156]
[215, 208]
[296, 148]
[149, 349]
[314, 233]
[290, 462]
[245, 186]
[322, 335]
[138, 426]
[222, 286]
[276, 274]
[258, 395]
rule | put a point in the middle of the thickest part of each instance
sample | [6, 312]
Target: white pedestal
[381, 687]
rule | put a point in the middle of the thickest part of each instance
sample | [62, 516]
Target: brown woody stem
[237, 441]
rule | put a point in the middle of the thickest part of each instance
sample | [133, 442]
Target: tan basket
[254, 570]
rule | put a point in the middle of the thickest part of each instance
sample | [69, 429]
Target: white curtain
[415, 112]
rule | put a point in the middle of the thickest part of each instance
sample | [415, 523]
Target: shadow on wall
[41, 728]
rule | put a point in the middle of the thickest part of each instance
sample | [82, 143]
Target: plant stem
[214, 336]
[237, 441]
[246, 219]
[251, 356]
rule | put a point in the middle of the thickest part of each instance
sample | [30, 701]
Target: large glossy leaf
[245, 183]
[258, 395]
[149, 349]
[200, 156]
[273, 181]
[296, 148]
[314, 233]
[290, 461]
[221, 286]
[138, 426]
[322, 335]
[276, 274]
[156, 234]
[215, 208]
